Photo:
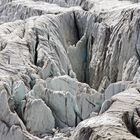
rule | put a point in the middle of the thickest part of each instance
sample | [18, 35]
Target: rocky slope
[69, 70]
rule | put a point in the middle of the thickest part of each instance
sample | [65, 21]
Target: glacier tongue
[69, 69]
